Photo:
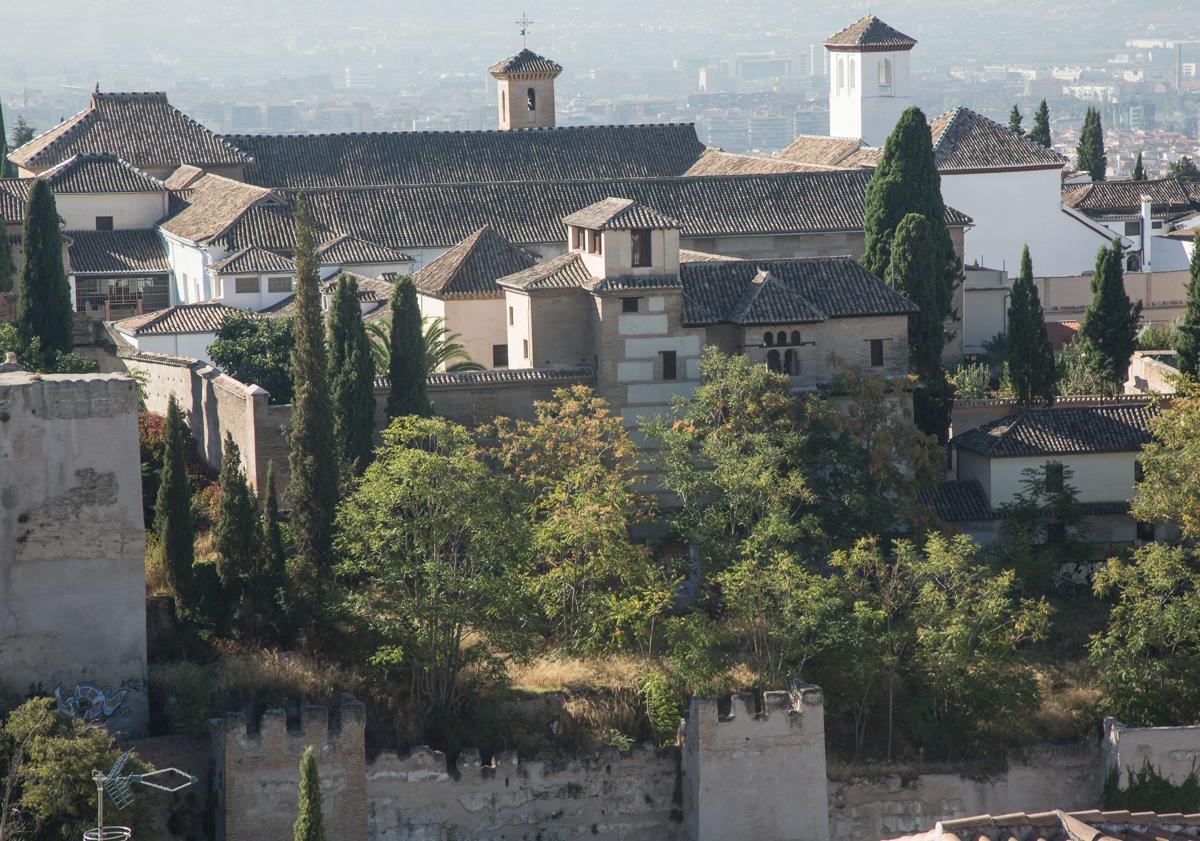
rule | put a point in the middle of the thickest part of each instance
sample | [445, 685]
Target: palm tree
[441, 347]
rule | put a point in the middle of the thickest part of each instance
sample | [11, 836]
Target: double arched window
[791, 363]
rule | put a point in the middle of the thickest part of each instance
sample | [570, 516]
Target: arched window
[885, 73]
[851, 74]
[781, 338]
[773, 360]
[795, 337]
[768, 338]
[841, 74]
[503, 103]
[531, 99]
[791, 362]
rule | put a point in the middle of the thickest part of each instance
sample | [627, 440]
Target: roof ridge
[459, 131]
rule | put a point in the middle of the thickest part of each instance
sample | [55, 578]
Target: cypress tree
[173, 509]
[1031, 366]
[7, 170]
[44, 300]
[8, 269]
[1187, 334]
[313, 456]
[237, 539]
[1089, 153]
[907, 181]
[1040, 133]
[1139, 171]
[1014, 121]
[272, 589]
[1109, 326]
[351, 378]
[310, 825]
[406, 365]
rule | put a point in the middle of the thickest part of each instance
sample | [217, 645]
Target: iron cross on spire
[524, 23]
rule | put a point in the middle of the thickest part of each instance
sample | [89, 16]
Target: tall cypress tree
[310, 824]
[173, 510]
[7, 170]
[1139, 171]
[1089, 153]
[272, 585]
[1014, 121]
[351, 378]
[406, 366]
[8, 269]
[44, 300]
[1109, 326]
[1040, 133]
[1187, 333]
[1031, 366]
[313, 457]
[237, 539]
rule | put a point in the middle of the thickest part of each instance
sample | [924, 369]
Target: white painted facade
[235, 291]
[868, 91]
[80, 211]
[480, 322]
[194, 345]
[1098, 477]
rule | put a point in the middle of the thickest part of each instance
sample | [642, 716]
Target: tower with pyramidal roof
[869, 85]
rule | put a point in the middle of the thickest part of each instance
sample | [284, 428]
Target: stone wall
[1173, 751]
[72, 544]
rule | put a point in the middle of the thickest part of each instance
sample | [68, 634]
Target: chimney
[1147, 231]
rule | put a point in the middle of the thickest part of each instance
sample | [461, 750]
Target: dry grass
[556, 674]
[156, 575]
[1069, 705]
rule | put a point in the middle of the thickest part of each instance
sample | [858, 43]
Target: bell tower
[869, 84]
[525, 81]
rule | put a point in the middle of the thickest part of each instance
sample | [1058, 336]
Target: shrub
[1149, 791]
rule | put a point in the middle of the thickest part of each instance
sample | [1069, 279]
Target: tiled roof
[784, 291]
[565, 271]
[617, 283]
[613, 214]
[370, 289]
[408, 217]
[184, 176]
[821, 151]
[471, 268]
[204, 317]
[1112, 200]
[717, 162]
[1062, 431]
[958, 501]
[525, 63]
[254, 260]
[14, 193]
[1065, 826]
[869, 33]
[511, 375]
[100, 172]
[462, 157]
[124, 252]
[143, 128]
[347, 250]
[964, 140]
[686, 255]
[213, 204]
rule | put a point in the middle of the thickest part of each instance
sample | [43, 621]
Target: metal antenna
[117, 786]
[524, 23]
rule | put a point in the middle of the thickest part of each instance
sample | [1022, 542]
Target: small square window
[104, 223]
[629, 304]
[279, 284]
[669, 371]
[1133, 227]
[876, 353]
[246, 285]
[499, 356]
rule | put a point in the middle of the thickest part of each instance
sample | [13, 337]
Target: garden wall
[1173, 751]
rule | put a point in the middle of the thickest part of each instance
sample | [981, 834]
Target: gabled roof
[869, 34]
[100, 172]
[718, 162]
[1115, 200]
[525, 63]
[213, 204]
[1062, 431]
[828, 152]
[958, 501]
[204, 317]
[471, 268]
[254, 260]
[184, 176]
[370, 289]
[565, 271]
[348, 250]
[964, 141]
[462, 157]
[142, 128]
[768, 300]
[615, 214]
[112, 253]
[1092, 825]
[14, 194]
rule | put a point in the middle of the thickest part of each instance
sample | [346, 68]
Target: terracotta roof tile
[822, 151]
[100, 172]
[213, 205]
[870, 32]
[184, 176]
[565, 271]
[347, 250]
[958, 501]
[717, 162]
[1062, 431]
[254, 260]
[1112, 200]
[122, 252]
[964, 140]
[204, 317]
[14, 193]
[613, 214]
[470, 269]
[525, 63]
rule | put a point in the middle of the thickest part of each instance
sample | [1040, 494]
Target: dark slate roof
[1114, 200]
[100, 172]
[460, 157]
[613, 214]
[784, 291]
[14, 193]
[407, 217]
[867, 34]
[1062, 431]
[143, 128]
[958, 501]
[254, 260]
[125, 252]
[347, 250]
[966, 141]
[565, 271]
[204, 317]
[510, 375]
[471, 268]
[525, 63]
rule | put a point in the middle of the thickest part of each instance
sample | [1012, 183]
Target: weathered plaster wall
[72, 544]
[1173, 751]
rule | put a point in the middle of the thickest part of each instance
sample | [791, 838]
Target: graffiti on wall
[89, 703]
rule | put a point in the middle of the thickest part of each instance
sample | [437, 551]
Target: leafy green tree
[1040, 133]
[1187, 332]
[1108, 330]
[237, 537]
[1139, 171]
[1089, 153]
[1014, 121]
[1159, 335]
[352, 378]
[310, 823]
[313, 489]
[22, 132]
[1031, 367]
[1041, 526]
[1148, 657]
[173, 509]
[971, 381]
[257, 351]
[577, 468]
[1184, 169]
[444, 350]
[44, 309]
[8, 269]
[1170, 488]
[1076, 377]
[406, 361]
[434, 559]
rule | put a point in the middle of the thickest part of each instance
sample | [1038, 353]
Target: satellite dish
[117, 786]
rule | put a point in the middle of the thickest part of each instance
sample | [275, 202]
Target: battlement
[341, 729]
[783, 712]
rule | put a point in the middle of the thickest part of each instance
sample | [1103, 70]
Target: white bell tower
[869, 82]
